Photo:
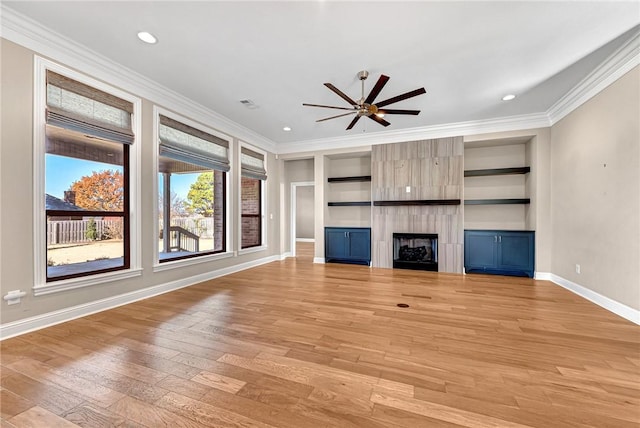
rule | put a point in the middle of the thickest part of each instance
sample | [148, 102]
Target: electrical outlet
[577, 268]
[407, 189]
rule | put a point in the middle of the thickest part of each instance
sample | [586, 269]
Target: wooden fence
[79, 231]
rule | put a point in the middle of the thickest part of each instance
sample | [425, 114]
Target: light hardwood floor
[293, 344]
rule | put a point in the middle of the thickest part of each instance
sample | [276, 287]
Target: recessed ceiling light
[508, 97]
[286, 128]
[147, 37]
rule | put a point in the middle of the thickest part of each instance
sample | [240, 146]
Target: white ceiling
[278, 54]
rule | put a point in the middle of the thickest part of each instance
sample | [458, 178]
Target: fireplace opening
[417, 251]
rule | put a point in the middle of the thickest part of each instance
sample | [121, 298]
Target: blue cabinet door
[480, 250]
[516, 252]
[335, 243]
[359, 244]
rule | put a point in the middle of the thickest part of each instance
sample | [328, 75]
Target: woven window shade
[187, 144]
[81, 108]
[252, 164]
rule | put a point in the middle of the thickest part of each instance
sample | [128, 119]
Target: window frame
[40, 284]
[263, 201]
[198, 257]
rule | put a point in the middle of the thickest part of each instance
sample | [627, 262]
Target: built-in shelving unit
[499, 235]
[497, 184]
[352, 179]
[494, 172]
[348, 190]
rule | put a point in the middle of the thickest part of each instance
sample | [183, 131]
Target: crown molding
[503, 124]
[611, 69]
[32, 35]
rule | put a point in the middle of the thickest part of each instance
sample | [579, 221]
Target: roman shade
[89, 111]
[252, 164]
[184, 143]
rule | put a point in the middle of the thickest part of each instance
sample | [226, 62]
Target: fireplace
[417, 251]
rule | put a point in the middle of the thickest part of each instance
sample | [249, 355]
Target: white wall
[304, 212]
[595, 193]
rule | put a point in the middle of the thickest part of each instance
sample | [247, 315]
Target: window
[192, 174]
[88, 136]
[253, 174]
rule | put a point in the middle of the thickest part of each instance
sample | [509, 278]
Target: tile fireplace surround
[430, 170]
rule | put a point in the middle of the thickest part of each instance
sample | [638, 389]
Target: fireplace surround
[418, 251]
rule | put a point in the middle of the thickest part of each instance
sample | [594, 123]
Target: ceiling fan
[365, 106]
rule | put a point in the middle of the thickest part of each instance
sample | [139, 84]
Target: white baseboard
[49, 319]
[611, 305]
[318, 259]
[285, 255]
[305, 240]
[543, 276]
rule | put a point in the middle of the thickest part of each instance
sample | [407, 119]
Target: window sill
[71, 284]
[160, 267]
[252, 250]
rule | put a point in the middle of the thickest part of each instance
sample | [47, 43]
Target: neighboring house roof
[53, 203]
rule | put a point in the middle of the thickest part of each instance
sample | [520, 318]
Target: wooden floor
[293, 344]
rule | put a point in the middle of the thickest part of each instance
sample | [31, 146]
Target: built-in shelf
[497, 201]
[497, 171]
[350, 204]
[349, 179]
[417, 202]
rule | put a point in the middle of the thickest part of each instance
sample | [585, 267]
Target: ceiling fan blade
[320, 105]
[353, 122]
[376, 89]
[404, 96]
[396, 111]
[333, 117]
[341, 94]
[378, 119]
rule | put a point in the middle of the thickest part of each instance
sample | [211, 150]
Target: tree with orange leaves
[100, 191]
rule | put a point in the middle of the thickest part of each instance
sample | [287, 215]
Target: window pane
[78, 244]
[194, 210]
[83, 176]
[251, 212]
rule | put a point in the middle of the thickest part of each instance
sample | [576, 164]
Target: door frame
[293, 211]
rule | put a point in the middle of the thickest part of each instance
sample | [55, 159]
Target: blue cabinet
[501, 252]
[347, 245]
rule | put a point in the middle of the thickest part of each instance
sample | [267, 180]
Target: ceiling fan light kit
[365, 106]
